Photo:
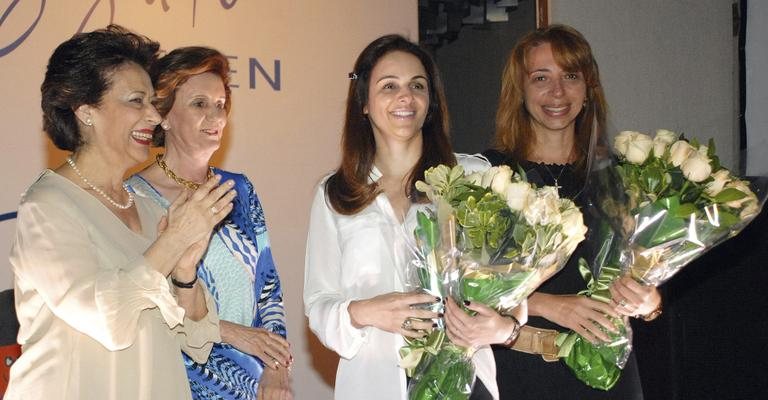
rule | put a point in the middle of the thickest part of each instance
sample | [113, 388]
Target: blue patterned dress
[239, 272]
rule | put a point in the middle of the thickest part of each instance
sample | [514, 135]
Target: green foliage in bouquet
[681, 199]
[598, 366]
[491, 238]
[680, 202]
[448, 374]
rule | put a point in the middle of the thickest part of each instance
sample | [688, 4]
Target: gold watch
[651, 315]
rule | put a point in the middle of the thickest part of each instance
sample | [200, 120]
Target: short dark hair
[79, 72]
[348, 189]
[175, 68]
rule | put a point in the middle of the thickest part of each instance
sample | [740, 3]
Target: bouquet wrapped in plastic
[677, 203]
[489, 237]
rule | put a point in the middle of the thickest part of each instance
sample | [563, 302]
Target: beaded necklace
[125, 206]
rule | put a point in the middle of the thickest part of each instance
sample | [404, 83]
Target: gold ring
[214, 209]
[407, 324]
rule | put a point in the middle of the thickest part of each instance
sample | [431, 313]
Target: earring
[88, 122]
[165, 125]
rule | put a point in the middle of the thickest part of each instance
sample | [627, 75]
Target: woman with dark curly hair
[92, 261]
[193, 97]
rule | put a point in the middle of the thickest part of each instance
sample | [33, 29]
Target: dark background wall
[471, 68]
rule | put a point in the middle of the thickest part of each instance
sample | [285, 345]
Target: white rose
[502, 180]
[544, 209]
[750, 209]
[703, 150]
[679, 152]
[634, 146]
[696, 168]
[743, 187]
[488, 176]
[662, 140]
[573, 224]
[719, 179]
[666, 136]
[475, 178]
[621, 142]
[519, 195]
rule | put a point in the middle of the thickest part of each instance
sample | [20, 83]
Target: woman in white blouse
[98, 316]
[395, 128]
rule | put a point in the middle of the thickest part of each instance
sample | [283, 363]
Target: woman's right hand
[583, 315]
[192, 216]
[184, 232]
[389, 312]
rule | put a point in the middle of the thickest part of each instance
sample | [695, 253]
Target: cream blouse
[96, 322]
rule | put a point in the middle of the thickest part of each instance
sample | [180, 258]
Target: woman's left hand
[275, 384]
[484, 328]
[631, 298]
[272, 349]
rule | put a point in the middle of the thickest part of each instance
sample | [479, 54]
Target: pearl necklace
[181, 181]
[125, 206]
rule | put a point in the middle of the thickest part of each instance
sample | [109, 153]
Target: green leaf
[729, 194]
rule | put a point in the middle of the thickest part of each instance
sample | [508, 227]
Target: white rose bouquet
[492, 238]
[680, 202]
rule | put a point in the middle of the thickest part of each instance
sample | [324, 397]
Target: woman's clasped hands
[191, 219]
[485, 327]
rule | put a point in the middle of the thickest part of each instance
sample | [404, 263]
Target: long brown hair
[349, 189]
[514, 132]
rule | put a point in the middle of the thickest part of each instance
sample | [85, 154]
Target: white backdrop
[285, 122]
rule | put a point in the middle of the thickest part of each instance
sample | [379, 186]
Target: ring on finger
[623, 303]
[407, 324]
[214, 210]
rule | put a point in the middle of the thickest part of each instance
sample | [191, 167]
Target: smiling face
[553, 97]
[123, 122]
[198, 116]
[398, 97]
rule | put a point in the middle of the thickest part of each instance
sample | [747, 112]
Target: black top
[526, 376]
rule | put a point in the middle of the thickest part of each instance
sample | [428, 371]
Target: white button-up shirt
[353, 257]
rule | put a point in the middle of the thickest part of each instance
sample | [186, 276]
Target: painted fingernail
[466, 303]
[443, 300]
[439, 315]
[438, 299]
[434, 325]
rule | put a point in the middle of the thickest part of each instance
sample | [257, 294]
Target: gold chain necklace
[181, 181]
